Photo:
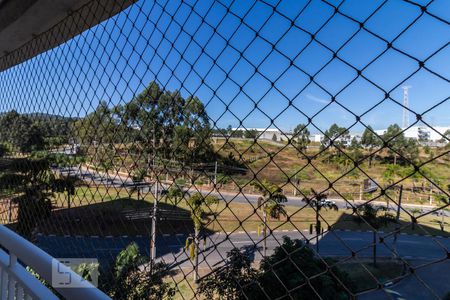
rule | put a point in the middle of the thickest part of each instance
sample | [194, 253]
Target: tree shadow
[102, 230]
[400, 247]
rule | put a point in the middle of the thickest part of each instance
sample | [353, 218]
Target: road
[121, 181]
[426, 283]
[433, 280]
[170, 248]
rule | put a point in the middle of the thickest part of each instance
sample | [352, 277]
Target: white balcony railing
[17, 283]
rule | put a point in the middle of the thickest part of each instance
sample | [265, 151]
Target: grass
[366, 277]
[363, 275]
[237, 216]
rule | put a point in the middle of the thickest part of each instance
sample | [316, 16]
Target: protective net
[236, 149]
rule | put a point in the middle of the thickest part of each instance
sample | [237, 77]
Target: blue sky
[118, 58]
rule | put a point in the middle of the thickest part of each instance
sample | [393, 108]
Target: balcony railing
[18, 283]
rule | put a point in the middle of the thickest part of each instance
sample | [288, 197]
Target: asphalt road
[170, 248]
[117, 181]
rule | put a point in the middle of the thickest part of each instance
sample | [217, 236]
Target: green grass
[365, 276]
[240, 216]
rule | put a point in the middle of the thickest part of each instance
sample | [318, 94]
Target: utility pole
[153, 235]
[397, 219]
[215, 175]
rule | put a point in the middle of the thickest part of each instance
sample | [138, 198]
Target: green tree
[376, 218]
[398, 144]
[199, 207]
[234, 281]
[67, 184]
[29, 183]
[337, 136]
[445, 137]
[138, 178]
[370, 141]
[250, 134]
[317, 202]
[271, 203]
[97, 127]
[167, 125]
[301, 137]
[317, 279]
[175, 194]
[134, 280]
[21, 132]
[3, 150]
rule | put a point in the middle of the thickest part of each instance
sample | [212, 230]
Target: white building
[267, 133]
[416, 131]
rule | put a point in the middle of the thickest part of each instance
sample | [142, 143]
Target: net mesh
[235, 149]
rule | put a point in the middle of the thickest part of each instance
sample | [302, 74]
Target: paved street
[170, 248]
[120, 181]
[434, 279]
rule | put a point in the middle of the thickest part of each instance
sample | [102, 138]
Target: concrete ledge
[30, 27]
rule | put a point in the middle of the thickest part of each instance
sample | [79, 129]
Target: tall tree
[317, 202]
[398, 144]
[97, 127]
[199, 205]
[301, 137]
[338, 136]
[370, 141]
[317, 279]
[133, 279]
[233, 281]
[271, 203]
[376, 218]
[21, 132]
[167, 125]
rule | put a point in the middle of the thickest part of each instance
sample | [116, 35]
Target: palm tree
[370, 215]
[175, 194]
[199, 205]
[66, 184]
[137, 178]
[271, 203]
[317, 202]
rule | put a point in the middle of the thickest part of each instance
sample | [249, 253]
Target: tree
[67, 184]
[390, 174]
[271, 203]
[133, 279]
[274, 137]
[250, 134]
[398, 144]
[423, 136]
[138, 178]
[317, 279]
[301, 137]
[199, 206]
[97, 127]
[335, 135]
[175, 194]
[29, 181]
[167, 125]
[371, 216]
[3, 150]
[445, 137]
[21, 132]
[317, 202]
[234, 281]
[370, 141]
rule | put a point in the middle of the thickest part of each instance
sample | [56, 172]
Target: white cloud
[317, 99]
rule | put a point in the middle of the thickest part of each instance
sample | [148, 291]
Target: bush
[280, 272]
[134, 279]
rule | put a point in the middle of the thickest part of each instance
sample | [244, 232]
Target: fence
[236, 149]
